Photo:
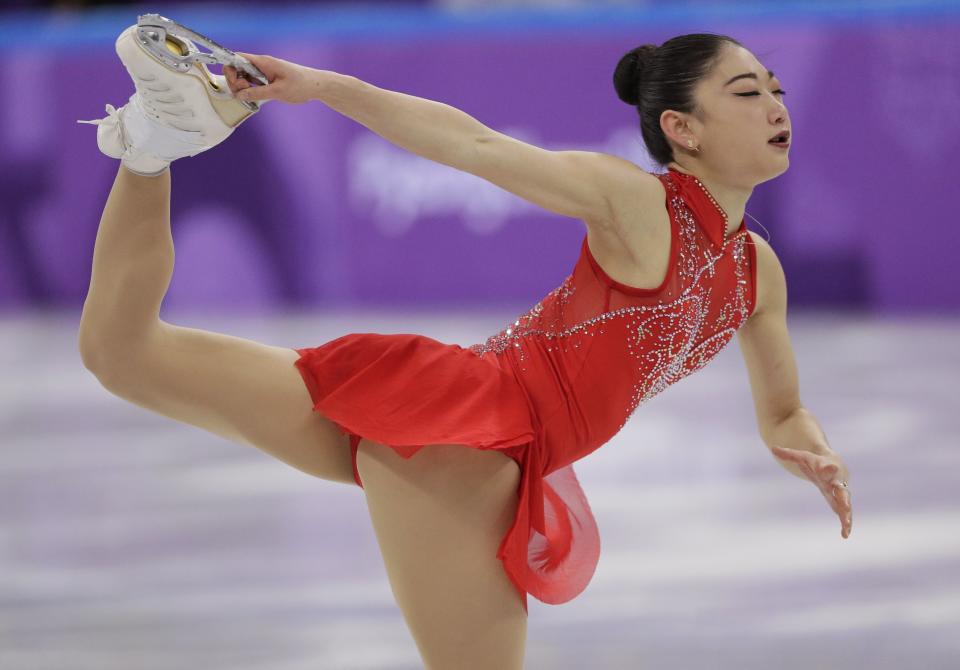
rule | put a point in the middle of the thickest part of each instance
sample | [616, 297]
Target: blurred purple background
[304, 208]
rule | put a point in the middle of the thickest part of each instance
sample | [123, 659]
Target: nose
[779, 113]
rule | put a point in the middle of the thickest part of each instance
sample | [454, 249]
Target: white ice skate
[179, 108]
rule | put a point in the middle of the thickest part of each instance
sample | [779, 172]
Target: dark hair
[659, 78]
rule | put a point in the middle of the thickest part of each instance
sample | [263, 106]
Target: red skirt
[409, 391]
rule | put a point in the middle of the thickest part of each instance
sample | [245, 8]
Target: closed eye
[781, 92]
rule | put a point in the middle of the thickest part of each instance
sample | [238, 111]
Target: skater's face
[735, 120]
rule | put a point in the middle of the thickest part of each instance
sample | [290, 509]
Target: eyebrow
[749, 75]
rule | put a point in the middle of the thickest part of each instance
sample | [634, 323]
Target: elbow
[478, 145]
[485, 135]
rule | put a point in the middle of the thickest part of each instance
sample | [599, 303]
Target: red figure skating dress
[554, 385]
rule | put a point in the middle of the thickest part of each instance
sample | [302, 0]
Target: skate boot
[179, 107]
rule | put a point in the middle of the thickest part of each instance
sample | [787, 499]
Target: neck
[731, 198]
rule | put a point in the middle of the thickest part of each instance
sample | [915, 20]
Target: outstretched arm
[789, 430]
[571, 183]
[578, 184]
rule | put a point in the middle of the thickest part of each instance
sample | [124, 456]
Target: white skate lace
[112, 118]
[140, 134]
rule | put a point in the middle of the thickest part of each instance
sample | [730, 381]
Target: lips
[783, 137]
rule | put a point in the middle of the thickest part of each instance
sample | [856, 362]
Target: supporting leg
[439, 518]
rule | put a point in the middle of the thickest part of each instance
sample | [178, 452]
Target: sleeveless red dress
[554, 385]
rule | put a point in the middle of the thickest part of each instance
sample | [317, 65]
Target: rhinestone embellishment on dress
[710, 196]
[668, 336]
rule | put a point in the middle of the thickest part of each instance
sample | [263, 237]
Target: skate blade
[173, 45]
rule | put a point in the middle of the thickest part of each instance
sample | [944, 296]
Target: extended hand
[288, 81]
[826, 471]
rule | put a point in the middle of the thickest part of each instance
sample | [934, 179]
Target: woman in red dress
[466, 455]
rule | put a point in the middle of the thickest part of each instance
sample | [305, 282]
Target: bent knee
[114, 363]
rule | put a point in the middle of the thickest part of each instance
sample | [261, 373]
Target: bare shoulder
[771, 282]
[635, 195]
[633, 244]
[638, 220]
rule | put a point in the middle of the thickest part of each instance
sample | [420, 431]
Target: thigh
[439, 518]
[239, 389]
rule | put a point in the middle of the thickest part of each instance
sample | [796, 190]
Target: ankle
[140, 173]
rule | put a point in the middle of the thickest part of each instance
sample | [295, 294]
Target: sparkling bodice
[593, 349]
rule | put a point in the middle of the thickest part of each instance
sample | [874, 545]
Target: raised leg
[238, 389]
[132, 266]
[439, 518]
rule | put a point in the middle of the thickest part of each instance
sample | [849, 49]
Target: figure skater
[465, 455]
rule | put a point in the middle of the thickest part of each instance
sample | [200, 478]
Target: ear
[676, 127]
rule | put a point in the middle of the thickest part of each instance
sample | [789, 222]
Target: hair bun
[629, 72]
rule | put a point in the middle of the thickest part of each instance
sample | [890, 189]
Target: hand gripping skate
[153, 29]
[179, 108]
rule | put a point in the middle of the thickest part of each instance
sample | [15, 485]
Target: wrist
[798, 430]
[321, 83]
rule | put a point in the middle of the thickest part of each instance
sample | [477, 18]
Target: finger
[231, 76]
[838, 490]
[829, 468]
[840, 499]
[803, 458]
[846, 507]
[808, 471]
[840, 509]
[237, 86]
[785, 453]
[257, 92]
[805, 469]
[826, 470]
[256, 60]
[253, 58]
[833, 501]
[827, 479]
[847, 502]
